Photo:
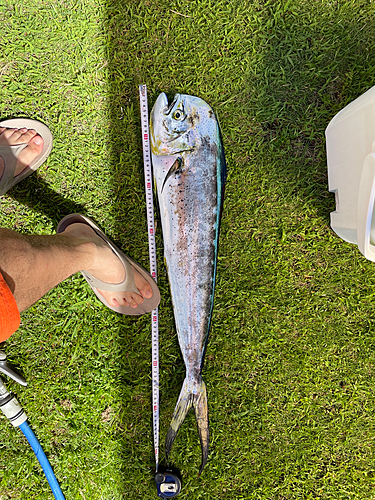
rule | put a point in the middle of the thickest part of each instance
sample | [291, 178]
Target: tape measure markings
[153, 267]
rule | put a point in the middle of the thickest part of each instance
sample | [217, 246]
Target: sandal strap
[10, 155]
[127, 285]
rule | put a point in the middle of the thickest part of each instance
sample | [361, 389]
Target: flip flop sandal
[128, 284]
[10, 153]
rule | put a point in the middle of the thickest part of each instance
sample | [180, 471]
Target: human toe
[143, 285]
[15, 136]
[23, 136]
[146, 291]
[117, 299]
[135, 299]
[30, 152]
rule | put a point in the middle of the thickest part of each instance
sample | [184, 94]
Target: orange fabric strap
[9, 315]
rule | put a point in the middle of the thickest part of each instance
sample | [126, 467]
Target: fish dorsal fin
[176, 168]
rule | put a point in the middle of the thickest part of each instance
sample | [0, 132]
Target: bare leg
[32, 265]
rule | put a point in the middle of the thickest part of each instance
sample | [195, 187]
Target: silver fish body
[189, 170]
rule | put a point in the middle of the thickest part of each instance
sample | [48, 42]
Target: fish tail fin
[201, 415]
[193, 394]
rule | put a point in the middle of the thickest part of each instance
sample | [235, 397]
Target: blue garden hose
[17, 417]
[43, 460]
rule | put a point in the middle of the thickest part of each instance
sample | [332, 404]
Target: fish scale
[189, 171]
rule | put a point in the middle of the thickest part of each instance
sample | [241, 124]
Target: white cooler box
[350, 138]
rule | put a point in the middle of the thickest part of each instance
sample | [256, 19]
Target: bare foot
[107, 267]
[14, 137]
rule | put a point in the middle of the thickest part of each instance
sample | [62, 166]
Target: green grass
[290, 363]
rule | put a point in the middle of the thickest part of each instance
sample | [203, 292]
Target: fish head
[181, 125]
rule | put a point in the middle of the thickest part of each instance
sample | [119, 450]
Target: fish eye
[178, 115]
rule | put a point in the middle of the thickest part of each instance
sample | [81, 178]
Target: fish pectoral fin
[176, 168]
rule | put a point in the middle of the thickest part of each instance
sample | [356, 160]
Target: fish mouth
[160, 104]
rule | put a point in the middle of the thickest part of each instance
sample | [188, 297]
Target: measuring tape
[152, 251]
[168, 484]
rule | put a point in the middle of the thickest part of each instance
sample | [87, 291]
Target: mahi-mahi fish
[189, 170]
